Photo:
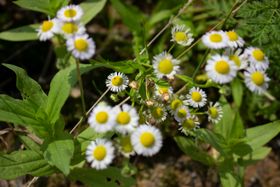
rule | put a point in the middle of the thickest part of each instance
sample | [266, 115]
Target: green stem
[200, 63]
[173, 45]
[81, 87]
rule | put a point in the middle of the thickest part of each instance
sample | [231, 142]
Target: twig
[32, 181]
[126, 99]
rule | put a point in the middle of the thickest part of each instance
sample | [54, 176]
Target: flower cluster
[67, 23]
[223, 68]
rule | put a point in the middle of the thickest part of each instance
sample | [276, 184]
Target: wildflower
[234, 40]
[256, 80]
[181, 35]
[189, 124]
[163, 92]
[101, 118]
[125, 146]
[117, 82]
[70, 28]
[81, 46]
[196, 97]
[70, 13]
[215, 39]
[215, 112]
[100, 153]
[181, 113]
[165, 65]
[126, 118]
[257, 58]
[47, 29]
[238, 58]
[220, 69]
[158, 113]
[174, 104]
[146, 140]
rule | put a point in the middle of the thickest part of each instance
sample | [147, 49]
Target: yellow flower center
[216, 38]
[258, 55]
[176, 104]
[102, 117]
[258, 78]
[232, 36]
[81, 44]
[222, 67]
[99, 152]
[196, 96]
[117, 81]
[69, 28]
[157, 112]
[182, 113]
[126, 145]
[47, 25]
[165, 66]
[147, 139]
[123, 118]
[235, 59]
[70, 13]
[189, 124]
[213, 112]
[180, 36]
[163, 90]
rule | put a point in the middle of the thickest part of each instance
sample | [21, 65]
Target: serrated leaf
[189, 147]
[260, 135]
[110, 177]
[20, 163]
[29, 88]
[24, 33]
[91, 8]
[58, 151]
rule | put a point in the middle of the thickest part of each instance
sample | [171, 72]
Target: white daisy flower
[126, 119]
[181, 35]
[163, 92]
[48, 29]
[215, 39]
[238, 58]
[220, 69]
[215, 112]
[175, 103]
[256, 58]
[181, 113]
[117, 82]
[196, 97]
[256, 80]
[125, 146]
[189, 124]
[69, 29]
[100, 153]
[158, 113]
[101, 118]
[165, 65]
[234, 40]
[81, 46]
[70, 13]
[146, 140]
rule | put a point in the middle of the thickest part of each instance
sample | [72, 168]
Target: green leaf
[20, 163]
[159, 16]
[21, 113]
[110, 177]
[60, 89]
[37, 5]
[237, 129]
[127, 66]
[237, 91]
[29, 88]
[260, 135]
[255, 156]
[189, 147]
[241, 149]
[30, 144]
[24, 33]
[91, 8]
[58, 151]
[229, 179]
[55, 5]
[214, 139]
[131, 16]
